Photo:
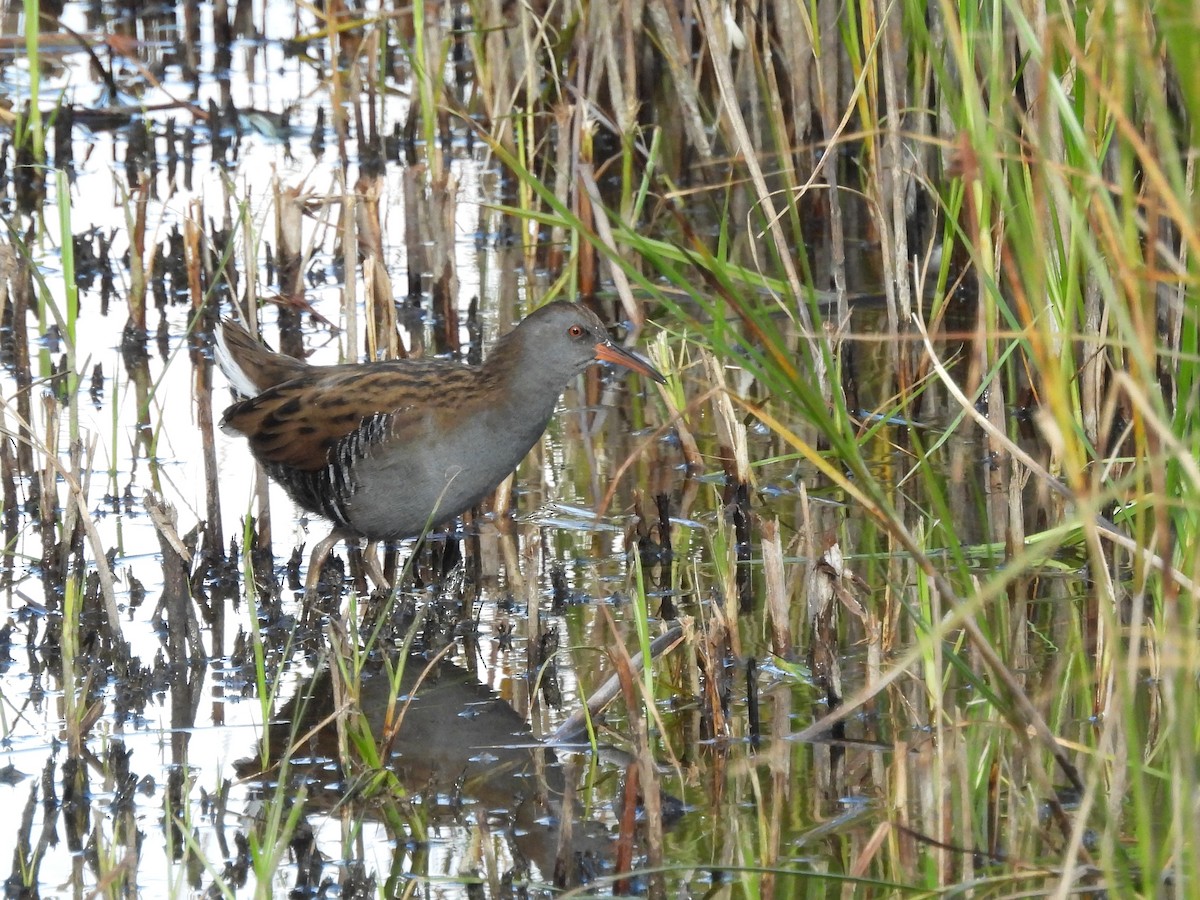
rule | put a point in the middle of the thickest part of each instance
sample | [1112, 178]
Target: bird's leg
[373, 568]
[392, 570]
[316, 561]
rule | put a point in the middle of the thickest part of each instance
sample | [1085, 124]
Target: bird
[385, 450]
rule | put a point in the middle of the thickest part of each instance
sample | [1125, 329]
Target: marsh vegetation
[890, 590]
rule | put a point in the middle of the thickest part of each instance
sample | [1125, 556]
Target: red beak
[619, 356]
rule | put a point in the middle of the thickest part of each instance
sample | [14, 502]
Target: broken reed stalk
[366, 214]
[777, 590]
[214, 539]
[193, 254]
[566, 117]
[416, 223]
[289, 262]
[444, 272]
[586, 260]
[135, 325]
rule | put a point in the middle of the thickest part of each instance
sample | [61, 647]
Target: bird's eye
[575, 331]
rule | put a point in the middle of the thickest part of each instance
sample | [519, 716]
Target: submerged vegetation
[894, 583]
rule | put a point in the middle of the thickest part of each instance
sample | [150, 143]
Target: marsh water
[197, 744]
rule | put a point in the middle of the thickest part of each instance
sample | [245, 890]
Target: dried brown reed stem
[714, 643]
[824, 656]
[777, 591]
[47, 494]
[365, 217]
[346, 231]
[585, 201]
[135, 326]
[569, 123]
[289, 263]
[8, 268]
[9, 461]
[22, 295]
[370, 142]
[193, 255]
[12, 503]
[214, 538]
[626, 828]
[530, 553]
[416, 223]
[731, 433]
[444, 268]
